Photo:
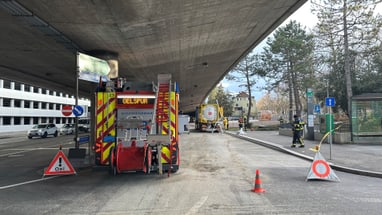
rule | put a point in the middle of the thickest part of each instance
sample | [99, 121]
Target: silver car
[43, 130]
[67, 129]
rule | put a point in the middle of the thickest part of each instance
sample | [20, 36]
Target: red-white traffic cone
[257, 188]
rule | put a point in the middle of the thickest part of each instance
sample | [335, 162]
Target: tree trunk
[249, 96]
[290, 84]
[349, 91]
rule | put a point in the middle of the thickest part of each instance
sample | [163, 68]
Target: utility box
[325, 121]
[183, 124]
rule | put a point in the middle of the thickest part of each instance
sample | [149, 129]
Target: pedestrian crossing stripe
[320, 169]
[60, 165]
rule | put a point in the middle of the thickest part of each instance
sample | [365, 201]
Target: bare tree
[246, 73]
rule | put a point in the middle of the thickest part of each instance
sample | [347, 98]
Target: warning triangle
[320, 169]
[60, 165]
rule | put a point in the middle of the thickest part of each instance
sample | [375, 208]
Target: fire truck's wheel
[174, 168]
[148, 161]
[113, 168]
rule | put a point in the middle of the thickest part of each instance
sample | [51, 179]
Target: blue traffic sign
[78, 110]
[330, 102]
[317, 108]
[84, 139]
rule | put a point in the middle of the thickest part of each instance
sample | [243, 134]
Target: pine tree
[288, 61]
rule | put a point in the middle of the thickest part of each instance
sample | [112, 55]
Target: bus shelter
[367, 118]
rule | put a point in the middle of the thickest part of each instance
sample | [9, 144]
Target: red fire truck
[136, 126]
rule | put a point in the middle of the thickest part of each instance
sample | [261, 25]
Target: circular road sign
[66, 110]
[78, 110]
[321, 168]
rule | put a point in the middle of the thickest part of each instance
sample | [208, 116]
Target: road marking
[199, 204]
[27, 182]
[19, 151]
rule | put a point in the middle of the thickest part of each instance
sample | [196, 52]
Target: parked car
[43, 130]
[67, 129]
[84, 125]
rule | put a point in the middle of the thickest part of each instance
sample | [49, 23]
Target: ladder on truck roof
[161, 116]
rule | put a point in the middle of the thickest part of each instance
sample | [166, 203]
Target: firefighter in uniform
[298, 129]
[225, 122]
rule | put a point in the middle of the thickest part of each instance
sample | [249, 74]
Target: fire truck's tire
[148, 161]
[112, 162]
[175, 168]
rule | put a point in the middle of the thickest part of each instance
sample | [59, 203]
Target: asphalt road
[216, 177]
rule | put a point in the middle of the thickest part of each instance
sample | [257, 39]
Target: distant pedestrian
[298, 129]
[240, 122]
[225, 122]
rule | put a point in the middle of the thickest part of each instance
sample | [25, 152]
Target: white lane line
[197, 206]
[28, 182]
[19, 151]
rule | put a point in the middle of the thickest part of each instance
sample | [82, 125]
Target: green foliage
[288, 60]
[348, 35]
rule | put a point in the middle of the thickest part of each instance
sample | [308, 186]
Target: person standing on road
[240, 123]
[225, 122]
[298, 129]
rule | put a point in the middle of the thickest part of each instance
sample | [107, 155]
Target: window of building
[63, 120]
[17, 86]
[6, 120]
[58, 107]
[43, 120]
[35, 89]
[35, 105]
[27, 120]
[17, 103]
[43, 105]
[51, 106]
[51, 92]
[27, 87]
[7, 84]
[35, 120]
[6, 102]
[43, 91]
[58, 119]
[27, 104]
[17, 120]
[51, 120]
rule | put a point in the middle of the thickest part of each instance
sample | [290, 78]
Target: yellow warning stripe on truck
[105, 124]
[166, 155]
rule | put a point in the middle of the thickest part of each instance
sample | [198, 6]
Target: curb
[305, 157]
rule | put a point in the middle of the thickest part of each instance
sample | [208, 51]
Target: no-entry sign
[66, 110]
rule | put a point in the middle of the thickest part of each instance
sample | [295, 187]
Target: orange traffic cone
[257, 188]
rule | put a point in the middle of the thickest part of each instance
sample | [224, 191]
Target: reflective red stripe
[166, 158]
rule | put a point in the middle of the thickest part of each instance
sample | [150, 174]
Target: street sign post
[330, 102]
[310, 117]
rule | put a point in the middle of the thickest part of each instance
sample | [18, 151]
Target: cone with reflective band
[257, 188]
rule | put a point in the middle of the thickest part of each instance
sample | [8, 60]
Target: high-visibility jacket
[298, 125]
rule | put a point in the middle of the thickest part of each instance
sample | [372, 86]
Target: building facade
[241, 105]
[23, 105]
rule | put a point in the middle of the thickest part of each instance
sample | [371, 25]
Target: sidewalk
[359, 159]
